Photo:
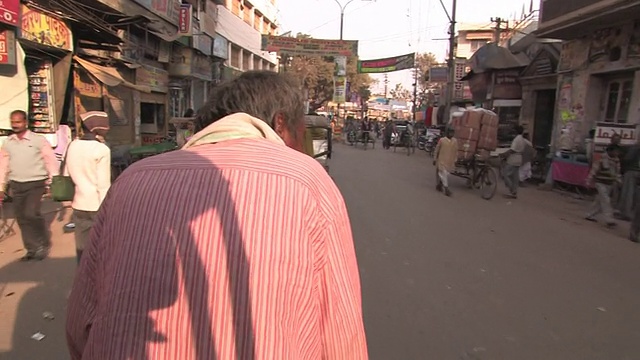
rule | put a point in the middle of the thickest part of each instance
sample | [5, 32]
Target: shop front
[153, 108]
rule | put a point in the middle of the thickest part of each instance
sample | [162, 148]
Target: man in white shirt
[514, 161]
[88, 162]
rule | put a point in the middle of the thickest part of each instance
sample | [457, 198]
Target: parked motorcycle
[430, 144]
[422, 142]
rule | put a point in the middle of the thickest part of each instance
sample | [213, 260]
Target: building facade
[599, 67]
[242, 23]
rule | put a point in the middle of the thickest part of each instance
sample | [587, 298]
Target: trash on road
[48, 315]
[601, 309]
[38, 336]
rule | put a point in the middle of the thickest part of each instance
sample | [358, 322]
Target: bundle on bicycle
[477, 134]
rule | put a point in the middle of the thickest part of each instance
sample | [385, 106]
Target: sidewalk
[27, 290]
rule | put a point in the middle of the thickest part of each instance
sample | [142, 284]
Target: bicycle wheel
[488, 182]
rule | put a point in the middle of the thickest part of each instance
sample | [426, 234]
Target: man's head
[95, 122]
[19, 123]
[268, 96]
[616, 139]
[519, 129]
[449, 133]
[613, 150]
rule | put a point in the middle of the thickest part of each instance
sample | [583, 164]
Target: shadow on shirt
[148, 254]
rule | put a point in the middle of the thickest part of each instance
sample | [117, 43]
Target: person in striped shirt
[237, 246]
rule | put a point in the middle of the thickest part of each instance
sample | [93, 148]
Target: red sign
[9, 11]
[7, 47]
[185, 23]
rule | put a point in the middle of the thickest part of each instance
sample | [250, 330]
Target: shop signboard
[45, 30]
[605, 131]
[378, 66]
[7, 47]
[86, 85]
[154, 78]
[185, 22]
[307, 46]
[167, 9]
[439, 74]
[220, 47]
[506, 85]
[9, 12]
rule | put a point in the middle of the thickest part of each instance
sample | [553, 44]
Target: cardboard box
[472, 119]
[466, 133]
[466, 149]
[488, 139]
[489, 118]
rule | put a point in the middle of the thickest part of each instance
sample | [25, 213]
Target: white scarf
[232, 127]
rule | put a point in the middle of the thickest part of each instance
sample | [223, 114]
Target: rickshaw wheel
[488, 183]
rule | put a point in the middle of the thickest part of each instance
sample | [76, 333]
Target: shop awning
[108, 75]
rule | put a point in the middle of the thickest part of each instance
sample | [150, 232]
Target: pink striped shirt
[237, 250]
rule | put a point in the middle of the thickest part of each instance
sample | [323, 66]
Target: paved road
[465, 278]
[458, 278]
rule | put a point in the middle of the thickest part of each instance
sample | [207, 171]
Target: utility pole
[498, 29]
[386, 84]
[452, 59]
[415, 92]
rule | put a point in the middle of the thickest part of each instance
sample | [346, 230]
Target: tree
[401, 93]
[425, 87]
[315, 76]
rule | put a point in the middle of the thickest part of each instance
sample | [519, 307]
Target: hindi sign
[45, 30]
[387, 65]
[9, 11]
[298, 46]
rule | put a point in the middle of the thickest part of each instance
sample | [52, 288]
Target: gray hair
[261, 94]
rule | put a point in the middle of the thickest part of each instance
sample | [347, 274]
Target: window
[235, 56]
[151, 118]
[235, 7]
[247, 11]
[477, 44]
[618, 99]
[257, 21]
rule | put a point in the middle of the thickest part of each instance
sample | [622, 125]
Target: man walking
[88, 162]
[604, 174]
[514, 161]
[27, 163]
[446, 154]
[235, 247]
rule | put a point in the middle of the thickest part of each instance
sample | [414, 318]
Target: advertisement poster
[185, 24]
[605, 131]
[340, 89]
[341, 66]
[9, 12]
[296, 46]
[378, 66]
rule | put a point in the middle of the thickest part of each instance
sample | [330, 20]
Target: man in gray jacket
[27, 163]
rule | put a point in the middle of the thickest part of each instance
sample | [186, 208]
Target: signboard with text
[378, 66]
[10, 12]
[439, 74]
[166, 9]
[308, 46]
[45, 30]
[7, 47]
[156, 79]
[185, 24]
[605, 131]
[339, 89]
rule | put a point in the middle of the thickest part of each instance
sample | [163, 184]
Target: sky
[386, 28]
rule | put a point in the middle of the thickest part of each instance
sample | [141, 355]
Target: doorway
[543, 118]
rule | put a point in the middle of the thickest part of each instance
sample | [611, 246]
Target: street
[442, 278]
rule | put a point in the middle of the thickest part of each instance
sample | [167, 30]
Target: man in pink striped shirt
[235, 247]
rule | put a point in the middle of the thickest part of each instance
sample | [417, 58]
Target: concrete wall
[582, 88]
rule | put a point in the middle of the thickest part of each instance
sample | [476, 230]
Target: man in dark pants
[28, 162]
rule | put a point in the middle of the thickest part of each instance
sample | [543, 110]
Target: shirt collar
[27, 136]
